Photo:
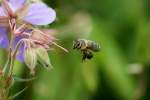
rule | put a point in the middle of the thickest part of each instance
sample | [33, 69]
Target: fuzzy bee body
[87, 47]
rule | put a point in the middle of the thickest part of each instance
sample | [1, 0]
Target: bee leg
[89, 55]
[84, 57]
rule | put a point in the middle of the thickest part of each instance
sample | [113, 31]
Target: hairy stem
[14, 56]
[8, 68]
[12, 59]
[9, 63]
[9, 59]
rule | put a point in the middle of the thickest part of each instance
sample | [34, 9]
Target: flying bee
[87, 47]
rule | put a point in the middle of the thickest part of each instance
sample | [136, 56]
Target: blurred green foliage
[122, 27]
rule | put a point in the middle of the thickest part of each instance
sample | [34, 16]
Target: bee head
[77, 44]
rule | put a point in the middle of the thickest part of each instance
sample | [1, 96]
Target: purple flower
[40, 14]
[4, 43]
[35, 14]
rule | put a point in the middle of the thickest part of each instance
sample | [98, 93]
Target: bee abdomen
[95, 46]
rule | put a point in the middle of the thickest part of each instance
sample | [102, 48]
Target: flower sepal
[30, 59]
[43, 58]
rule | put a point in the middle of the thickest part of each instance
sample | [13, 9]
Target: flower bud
[30, 59]
[43, 57]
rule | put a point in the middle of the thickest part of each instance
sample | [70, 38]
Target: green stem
[7, 67]
[13, 57]
[3, 95]
[11, 66]
[18, 93]
[10, 62]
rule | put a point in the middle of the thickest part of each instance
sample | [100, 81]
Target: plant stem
[5, 69]
[8, 68]
[9, 63]
[3, 96]
[12, 58]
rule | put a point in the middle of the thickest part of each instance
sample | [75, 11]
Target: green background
[121, 27]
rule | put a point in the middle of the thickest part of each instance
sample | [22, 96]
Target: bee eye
[78, 44]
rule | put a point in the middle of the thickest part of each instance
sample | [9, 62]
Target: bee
[87, 47]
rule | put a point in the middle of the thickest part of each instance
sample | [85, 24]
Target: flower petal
[4, 42]
[21, 49]
[16, 4]
[40, 14]
[2, 13]
[20, 55]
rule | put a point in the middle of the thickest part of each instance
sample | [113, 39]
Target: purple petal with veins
[40, 14]
[16, 4]
[4, 42]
